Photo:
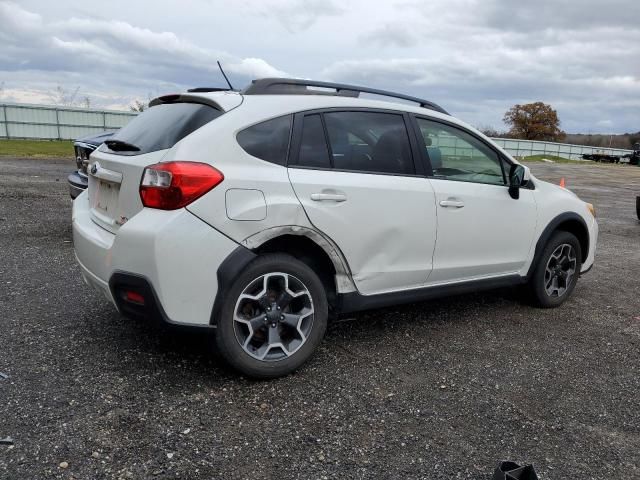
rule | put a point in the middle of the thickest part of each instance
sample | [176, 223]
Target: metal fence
[19, 120]
[526, 148]
[454, 146]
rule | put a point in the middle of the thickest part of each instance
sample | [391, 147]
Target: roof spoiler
[185, 98]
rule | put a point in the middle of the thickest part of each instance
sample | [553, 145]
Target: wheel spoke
[261, 352]
[549, 283]
[264, 303]
[274, 335]
[284, 299]
[256, 322]
[291, 320]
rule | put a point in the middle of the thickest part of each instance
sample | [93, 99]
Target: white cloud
[297, 15]
[97, 54]
[390, 35]
[254, 67]
[474, 57]
[17, 19]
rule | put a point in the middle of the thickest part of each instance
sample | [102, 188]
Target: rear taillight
[173, 185]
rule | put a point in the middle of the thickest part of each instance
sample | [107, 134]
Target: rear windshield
[160, 127]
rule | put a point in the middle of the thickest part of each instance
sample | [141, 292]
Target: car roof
[259, 108]
[280, 104]
[262, 107]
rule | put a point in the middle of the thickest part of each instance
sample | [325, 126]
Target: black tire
[228, 329]
[537, 284]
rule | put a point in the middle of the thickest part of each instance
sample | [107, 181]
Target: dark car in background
[83, 147]
[634, 158]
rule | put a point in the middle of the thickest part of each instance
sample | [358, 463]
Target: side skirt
[356, 302]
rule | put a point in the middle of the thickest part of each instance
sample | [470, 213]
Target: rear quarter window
[268, 141]
[162, 126]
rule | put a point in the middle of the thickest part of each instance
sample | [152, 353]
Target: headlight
[591, 209]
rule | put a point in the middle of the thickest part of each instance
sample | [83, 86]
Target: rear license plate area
[105, 199]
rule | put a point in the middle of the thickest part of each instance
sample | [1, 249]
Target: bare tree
[73, 97]
[138, 106]
[61, 96]
[490, 131]
[86, 102]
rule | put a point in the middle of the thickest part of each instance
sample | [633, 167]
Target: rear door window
[268, 140]
[372, 142]
[160, 127]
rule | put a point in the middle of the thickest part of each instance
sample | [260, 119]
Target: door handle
[328, 197]
[451, 203]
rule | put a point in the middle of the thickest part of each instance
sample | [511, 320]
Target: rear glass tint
[268, 140]
[161, 127]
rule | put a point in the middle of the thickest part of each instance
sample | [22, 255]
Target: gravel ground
[442, 389]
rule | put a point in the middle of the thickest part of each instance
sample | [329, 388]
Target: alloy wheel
[560, 270]
[273, 316]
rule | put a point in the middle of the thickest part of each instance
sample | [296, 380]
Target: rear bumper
[176, 253]
[96, 282]
[150, 308]
[77, 183]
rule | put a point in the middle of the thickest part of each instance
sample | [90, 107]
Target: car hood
[554, 189]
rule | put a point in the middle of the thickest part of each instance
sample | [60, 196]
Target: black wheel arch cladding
[570, 222]
[227, 272]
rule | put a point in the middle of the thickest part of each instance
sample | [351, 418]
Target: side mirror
[518, 177]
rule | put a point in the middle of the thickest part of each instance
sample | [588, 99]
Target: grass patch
[37, 148]
[555, 159]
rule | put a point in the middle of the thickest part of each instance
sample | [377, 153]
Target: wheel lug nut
[281, 317]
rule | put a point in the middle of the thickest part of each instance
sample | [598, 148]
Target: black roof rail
[208, 89]
[294, 86]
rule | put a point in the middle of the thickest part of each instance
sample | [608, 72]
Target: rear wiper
[120, 146]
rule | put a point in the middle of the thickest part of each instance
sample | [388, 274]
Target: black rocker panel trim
[355, 302]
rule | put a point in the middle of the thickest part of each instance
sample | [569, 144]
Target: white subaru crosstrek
[263, 213]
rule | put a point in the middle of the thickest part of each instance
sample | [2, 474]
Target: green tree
[534, 121]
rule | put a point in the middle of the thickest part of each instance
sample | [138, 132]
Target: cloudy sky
[474, 57]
